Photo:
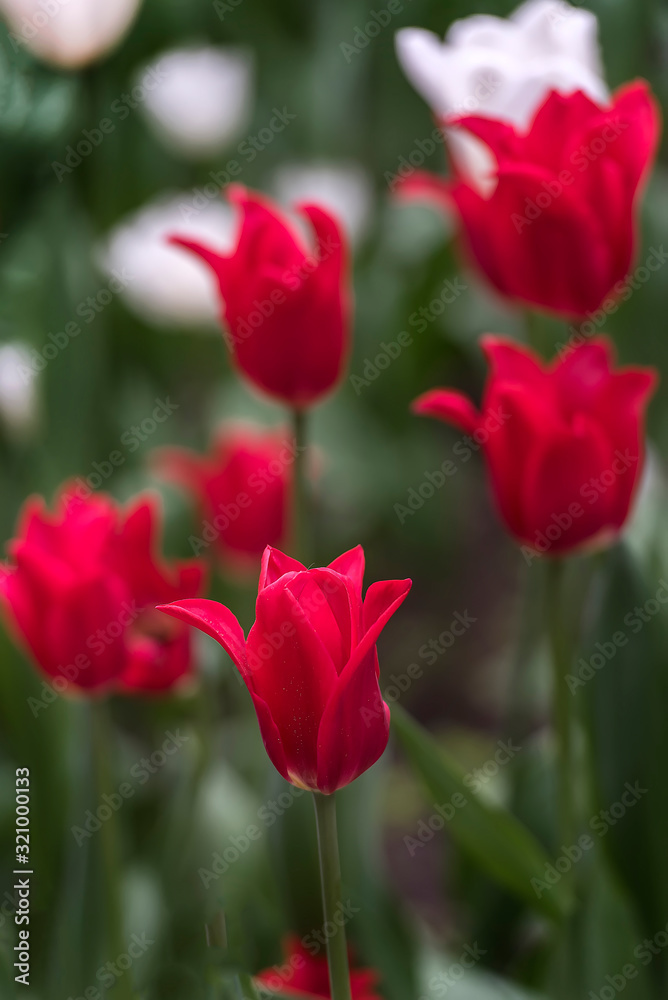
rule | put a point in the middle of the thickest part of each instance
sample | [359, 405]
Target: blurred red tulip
[81, 593]
[285, 307]
[557, 228]
[564, 443]
[310, 664]
[242, 488]
[305, 975]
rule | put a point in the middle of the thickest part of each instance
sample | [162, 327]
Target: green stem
[561, 647]
[301, 526]
[330, 877]
[101, 737]
[561, 654]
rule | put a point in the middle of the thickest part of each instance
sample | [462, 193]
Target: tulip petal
[355, 727]
[499, 136]
[382, 599]
[333, 607]
[566, 470]
[512, 249]
[512, 362]
[621, 408]
[216, 621]
[276, 564]
[331, 248]
[449, 406]
[559, 116]
[581, 374]
[220, 264]
[351, 564]
[355, 724]
[79, 632]
[522, 417]
[266, 235]
[292, 672]
[271, 737]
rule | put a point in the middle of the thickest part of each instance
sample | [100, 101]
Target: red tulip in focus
[306, 975]
[557, 228]
[564, 443]
[285, 306]
[242, 488]
[310, 664]
[81, 592]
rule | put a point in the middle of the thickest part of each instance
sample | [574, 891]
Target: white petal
[168, 286]
[423, 58]
[204, 99]
[504, 68]
[18, 397]
[69, 33]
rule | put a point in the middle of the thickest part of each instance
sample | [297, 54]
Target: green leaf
[490, 834]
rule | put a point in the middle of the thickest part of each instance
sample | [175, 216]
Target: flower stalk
[111, 863]
[330, 877]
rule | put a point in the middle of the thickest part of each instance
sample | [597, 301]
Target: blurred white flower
[205, 100]
[68, 33]
[503, 68]
[18, 398]
[167, 286]
[345, 189]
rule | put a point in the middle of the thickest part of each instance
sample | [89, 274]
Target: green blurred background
[419, 909]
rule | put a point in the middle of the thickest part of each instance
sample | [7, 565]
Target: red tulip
[81, 594]
[564, 442]
[310, 664]
[242, 488]
[305, 975]
[558, 228]
[285, 306]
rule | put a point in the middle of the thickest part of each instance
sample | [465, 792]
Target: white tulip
[503, 68]
[18, 398]
[344, 189]
[205, 100]
[167, 286]
[68, 33]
